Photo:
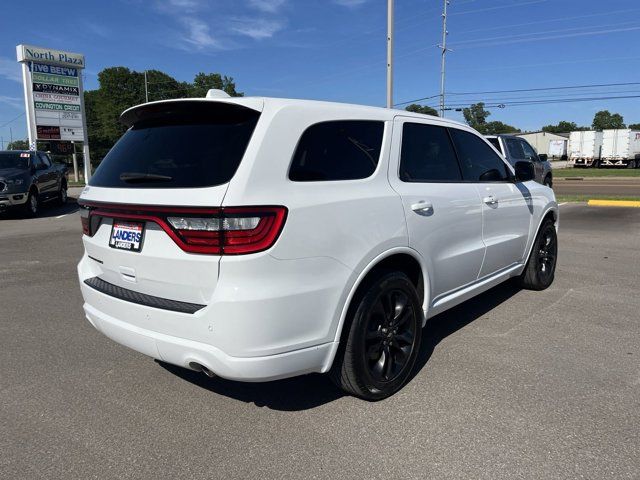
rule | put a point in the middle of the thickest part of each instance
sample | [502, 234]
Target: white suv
[262, 238]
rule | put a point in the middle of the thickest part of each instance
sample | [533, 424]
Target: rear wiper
[134, 177]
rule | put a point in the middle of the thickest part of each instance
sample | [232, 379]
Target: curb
[614, 203]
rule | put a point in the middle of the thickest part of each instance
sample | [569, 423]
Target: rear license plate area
[126, 235]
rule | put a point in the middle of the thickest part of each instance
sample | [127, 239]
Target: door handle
[490, 200]
[421, 206]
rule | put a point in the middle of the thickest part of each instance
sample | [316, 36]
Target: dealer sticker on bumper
[126, 236]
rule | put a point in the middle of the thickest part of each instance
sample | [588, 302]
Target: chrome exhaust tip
[201, 368]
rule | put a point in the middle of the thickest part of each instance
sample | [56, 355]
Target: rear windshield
[179, 145]
[14, 160]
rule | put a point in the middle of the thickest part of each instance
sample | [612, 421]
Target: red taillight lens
[248, 230]
[219, 231]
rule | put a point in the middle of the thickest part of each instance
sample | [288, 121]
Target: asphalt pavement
[512, 384]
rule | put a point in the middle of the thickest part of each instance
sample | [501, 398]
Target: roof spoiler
[189, 108]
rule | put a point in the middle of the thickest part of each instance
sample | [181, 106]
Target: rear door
[443, 213]
[506, 206]
[152, 207]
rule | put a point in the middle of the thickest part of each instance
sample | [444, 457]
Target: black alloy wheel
[541, 266]
[381, 338]
[389, 336]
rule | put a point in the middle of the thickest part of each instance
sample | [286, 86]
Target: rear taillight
[220, 231]
[84, 218]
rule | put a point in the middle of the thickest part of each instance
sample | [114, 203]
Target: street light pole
[443, 46]
[390, 53]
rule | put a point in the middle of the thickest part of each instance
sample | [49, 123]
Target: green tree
[634, 126]
[121, 88]
[18, 145]
[424, 109]
[562, 127]
[496, 127]
[606, 120]
[476, 116]
[205, 81]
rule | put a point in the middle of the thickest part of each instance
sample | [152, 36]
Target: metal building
[552, 144]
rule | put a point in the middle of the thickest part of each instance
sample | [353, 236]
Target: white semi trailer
[621, 148]
[585, 148]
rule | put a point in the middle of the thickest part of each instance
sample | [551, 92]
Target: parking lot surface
[512, 384]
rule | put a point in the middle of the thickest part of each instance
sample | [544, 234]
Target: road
[613, 187]
[512, 384]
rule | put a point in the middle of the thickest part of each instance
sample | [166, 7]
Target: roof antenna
[217, 93]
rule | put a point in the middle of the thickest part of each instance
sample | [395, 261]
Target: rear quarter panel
[350, 222]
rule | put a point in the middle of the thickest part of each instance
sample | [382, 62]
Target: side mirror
[524, 171]
[543, 157]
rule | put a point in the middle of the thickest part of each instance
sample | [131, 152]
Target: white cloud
[198, 33]
[270, 6]
[14, 102]
[258, 29]
[10, 69]
[350, 3]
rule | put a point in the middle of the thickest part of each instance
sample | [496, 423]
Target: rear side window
[478, 161]
[337, 150]
[179, 145]
[427, 155]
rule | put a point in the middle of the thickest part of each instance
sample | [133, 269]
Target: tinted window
[495, 142]
[478, 161]
[427, 154]
[515, 149]
[37, 161]
[529, 152]
[45, 159]
[178, 145]
[341, 150]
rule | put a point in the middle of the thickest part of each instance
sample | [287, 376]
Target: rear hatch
[151, 213]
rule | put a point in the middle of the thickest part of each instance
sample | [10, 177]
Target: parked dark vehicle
[28, 178]
[516, 149]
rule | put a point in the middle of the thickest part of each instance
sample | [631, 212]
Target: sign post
[54, 98]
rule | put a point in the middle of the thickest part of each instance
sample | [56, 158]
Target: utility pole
[11, 134]
[146, 89]
[443, 46]
[390, 53]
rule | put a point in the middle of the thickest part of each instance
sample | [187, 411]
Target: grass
[596, 172]
[585, 198]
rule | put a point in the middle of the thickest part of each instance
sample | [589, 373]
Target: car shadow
[311, 391]
[47, 209]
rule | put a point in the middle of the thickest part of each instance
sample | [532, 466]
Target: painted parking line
[614, 203]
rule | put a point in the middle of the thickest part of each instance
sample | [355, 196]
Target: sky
[336, 50]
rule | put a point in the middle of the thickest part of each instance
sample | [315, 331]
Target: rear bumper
[267, 319]
[182, 352]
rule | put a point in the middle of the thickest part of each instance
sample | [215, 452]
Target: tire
[548, 182]
[631, 164]
[541, 266]
[62, 194]
[379, 350]
[32, 205]
[596, 164]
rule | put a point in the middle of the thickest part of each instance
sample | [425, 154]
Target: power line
[11, 121]
[518, 90]
[544, 102]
